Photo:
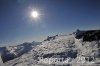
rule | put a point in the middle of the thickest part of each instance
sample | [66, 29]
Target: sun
[35, 14]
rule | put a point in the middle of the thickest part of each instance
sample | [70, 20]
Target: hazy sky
[57, 17]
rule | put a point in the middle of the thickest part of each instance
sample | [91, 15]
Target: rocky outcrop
[88, 35]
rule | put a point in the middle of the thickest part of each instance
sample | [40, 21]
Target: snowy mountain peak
[73, 50]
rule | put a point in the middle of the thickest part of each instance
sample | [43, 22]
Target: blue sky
[57, 17]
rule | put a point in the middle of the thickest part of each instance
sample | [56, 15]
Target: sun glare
[35, 14]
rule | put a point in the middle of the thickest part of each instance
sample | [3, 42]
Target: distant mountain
[11, 52]
[59, 50]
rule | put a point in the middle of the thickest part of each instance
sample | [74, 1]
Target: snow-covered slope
[60, 50]
[1, 63]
